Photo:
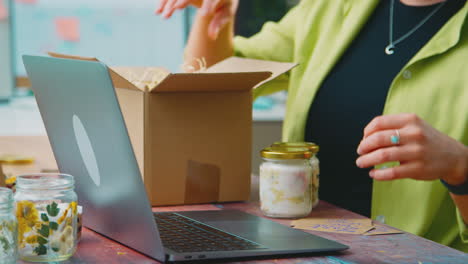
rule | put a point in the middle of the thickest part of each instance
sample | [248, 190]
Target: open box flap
[117, 80]
[145, 78]
[238, 64]
[210, 82]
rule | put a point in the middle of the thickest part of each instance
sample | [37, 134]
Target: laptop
[89, 139]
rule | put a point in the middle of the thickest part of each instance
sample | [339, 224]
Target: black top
[354, 93]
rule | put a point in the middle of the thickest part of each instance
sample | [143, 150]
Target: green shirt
[433, 84]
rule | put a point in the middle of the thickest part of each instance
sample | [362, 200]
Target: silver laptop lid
[89, 138]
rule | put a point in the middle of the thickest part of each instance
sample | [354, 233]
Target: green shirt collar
[446, 38]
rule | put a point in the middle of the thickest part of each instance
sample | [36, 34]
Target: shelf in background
[274, 114]
[21, 117]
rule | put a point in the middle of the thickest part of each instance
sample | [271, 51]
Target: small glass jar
[8, 228]
[314, 162]
[46, 209]
[285, 182]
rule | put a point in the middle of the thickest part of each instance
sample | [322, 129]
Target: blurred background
[117, 32]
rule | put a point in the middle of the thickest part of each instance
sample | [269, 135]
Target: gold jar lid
[13, 159]
[312, 147]
[286, 153]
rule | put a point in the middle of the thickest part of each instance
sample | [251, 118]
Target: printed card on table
[345, 226]
[382, 230]
[68, 28]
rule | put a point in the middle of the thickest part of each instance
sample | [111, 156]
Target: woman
[407, 59]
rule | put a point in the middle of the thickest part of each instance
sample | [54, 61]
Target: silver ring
[395, 139]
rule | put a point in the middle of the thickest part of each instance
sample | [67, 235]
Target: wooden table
[396, 248]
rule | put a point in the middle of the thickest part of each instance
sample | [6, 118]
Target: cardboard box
[192, 132]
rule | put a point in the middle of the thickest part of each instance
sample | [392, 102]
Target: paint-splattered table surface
[394, 248]
[397, 248]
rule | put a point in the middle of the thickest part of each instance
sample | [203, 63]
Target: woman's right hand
[220, 12]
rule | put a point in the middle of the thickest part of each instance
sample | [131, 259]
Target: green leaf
[5, 243]
[44, 217]
[55, 249]
[53, 225]
[44, 231]
[52, 209]
[40, 250]
[41, 240]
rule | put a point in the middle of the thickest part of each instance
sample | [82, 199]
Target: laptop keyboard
[182, 234]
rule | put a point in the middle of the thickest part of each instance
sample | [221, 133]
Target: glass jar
[8, 228]
[314, 162]
[46, 209]
[285, 182]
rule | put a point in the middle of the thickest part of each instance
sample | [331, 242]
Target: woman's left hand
[424, 153]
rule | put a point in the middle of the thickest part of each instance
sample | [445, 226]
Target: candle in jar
[286, 183]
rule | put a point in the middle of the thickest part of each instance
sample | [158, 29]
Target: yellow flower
[74, 207]
[65, 213]
[10, 180]
[19, 209]
[27, 210]
[23, 228]
[32, 239]
[27, 216]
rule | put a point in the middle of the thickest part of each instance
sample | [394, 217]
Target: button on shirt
[407, 74]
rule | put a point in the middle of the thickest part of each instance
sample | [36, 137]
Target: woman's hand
[424, 153]
[221, 12]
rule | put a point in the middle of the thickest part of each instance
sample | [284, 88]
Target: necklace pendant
[390, 49]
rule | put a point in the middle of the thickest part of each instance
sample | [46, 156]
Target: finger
[181, 4]
[208, 7]
[178, 4]
[407, 170]
[162, 4]
[385, 122]
[169, 9]
[205, 7]
[383, 155]
[382, 139]
[215, 5]
[219, 21]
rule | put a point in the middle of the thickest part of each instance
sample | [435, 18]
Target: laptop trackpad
[260, 230]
